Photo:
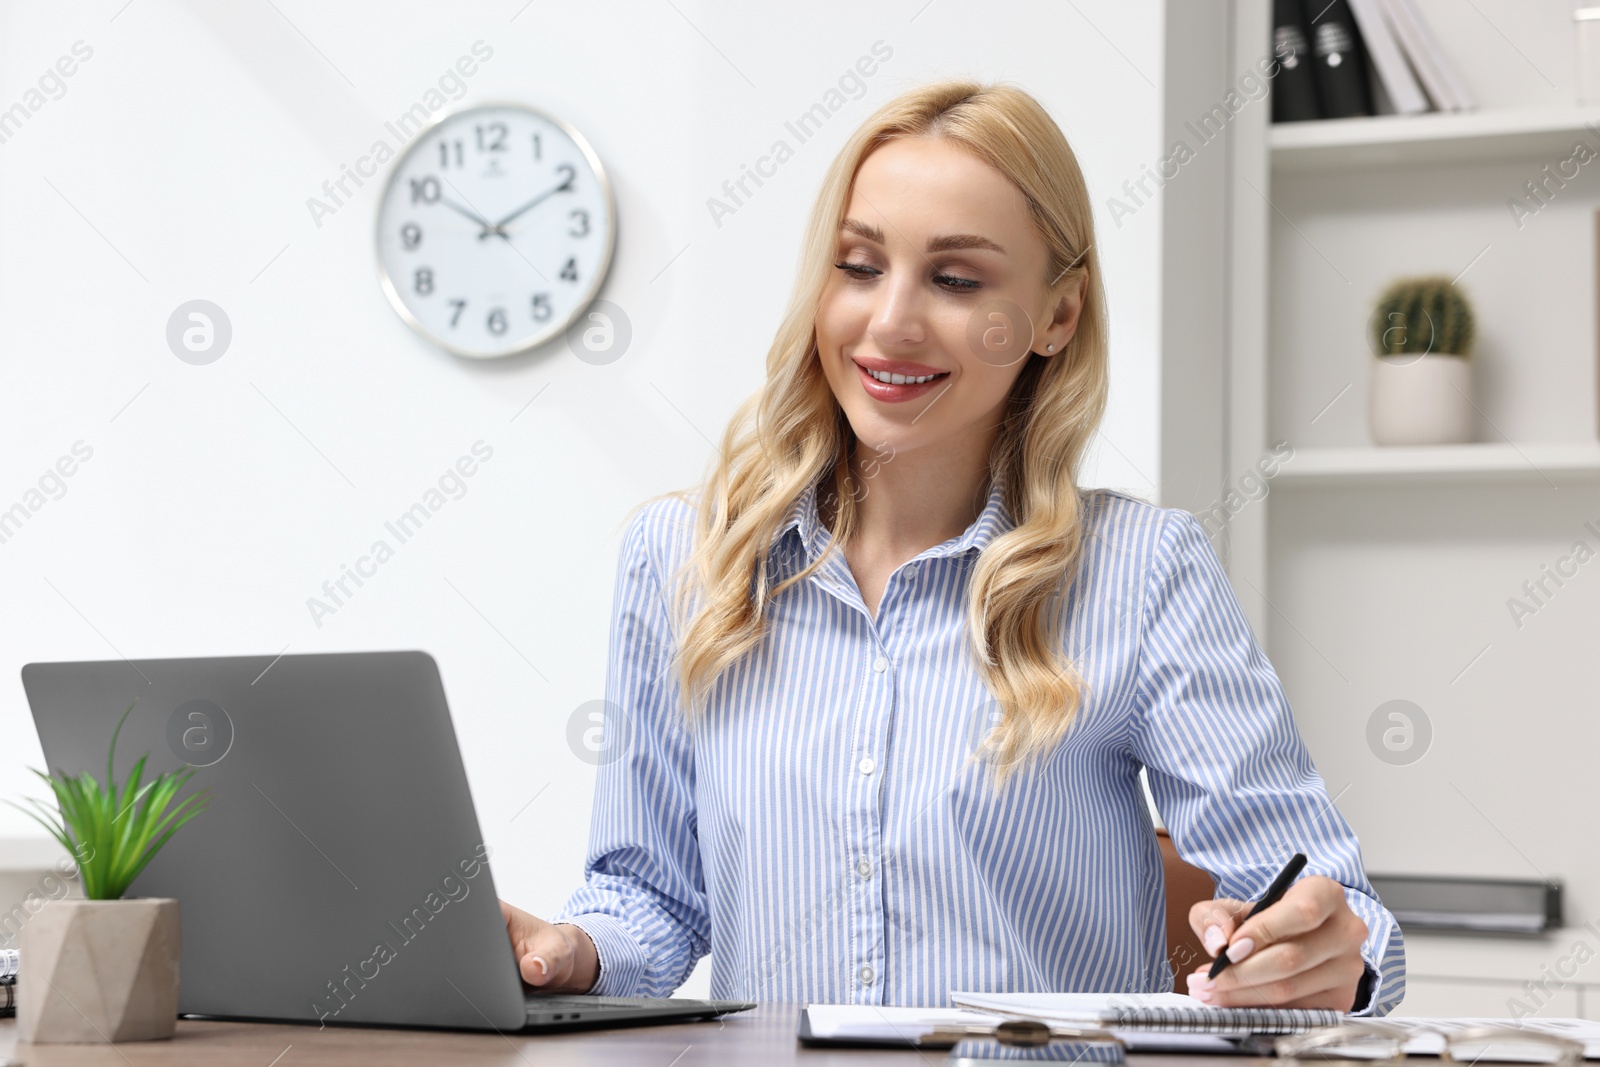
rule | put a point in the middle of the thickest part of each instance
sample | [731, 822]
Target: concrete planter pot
[1421, 400]
[99, 971]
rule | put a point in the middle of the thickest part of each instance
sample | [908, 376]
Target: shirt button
[866, 975]
[867, 765]
[880, 664]
[864, 869]
[911, 570]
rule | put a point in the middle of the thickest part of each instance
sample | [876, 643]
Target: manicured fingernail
[1241, 948]
[1215, 939]
[544, 968]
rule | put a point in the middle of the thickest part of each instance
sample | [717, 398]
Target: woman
[886, 683]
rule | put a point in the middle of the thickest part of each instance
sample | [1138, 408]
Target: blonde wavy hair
[792, 433]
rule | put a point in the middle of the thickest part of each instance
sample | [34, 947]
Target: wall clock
[496, 230]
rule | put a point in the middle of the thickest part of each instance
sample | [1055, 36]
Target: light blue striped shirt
[823, 834]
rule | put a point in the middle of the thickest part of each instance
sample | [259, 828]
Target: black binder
[1294, 88]
[1341, 62]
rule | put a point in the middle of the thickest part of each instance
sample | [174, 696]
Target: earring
[1049, 348]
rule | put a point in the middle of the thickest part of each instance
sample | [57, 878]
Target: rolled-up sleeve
[1228, 769]
[643, 901]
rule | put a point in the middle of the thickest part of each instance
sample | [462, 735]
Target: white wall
[218, 499]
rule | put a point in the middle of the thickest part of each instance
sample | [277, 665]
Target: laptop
[338, 875]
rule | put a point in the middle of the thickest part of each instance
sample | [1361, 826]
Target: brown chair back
[1186, 884]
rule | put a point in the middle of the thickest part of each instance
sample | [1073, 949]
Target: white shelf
[1483, 462]
[1413, 140]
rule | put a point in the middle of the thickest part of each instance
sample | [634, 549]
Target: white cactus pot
[1421, 400]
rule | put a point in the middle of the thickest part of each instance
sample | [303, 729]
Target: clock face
[496, 230]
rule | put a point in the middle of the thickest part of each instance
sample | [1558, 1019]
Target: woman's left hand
[1302, 952]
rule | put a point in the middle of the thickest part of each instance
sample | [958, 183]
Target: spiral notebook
[1170, 1013]
[1144, 1022]
[893, 1026]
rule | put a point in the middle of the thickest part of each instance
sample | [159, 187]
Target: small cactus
[1419, 315]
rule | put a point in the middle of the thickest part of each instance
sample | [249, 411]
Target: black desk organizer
[1505, 907]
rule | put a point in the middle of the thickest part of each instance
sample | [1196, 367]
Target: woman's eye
[948, 281]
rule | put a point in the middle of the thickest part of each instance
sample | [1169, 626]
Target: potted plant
[105, 969]
[1421, 386]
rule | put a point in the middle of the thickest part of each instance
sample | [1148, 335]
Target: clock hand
[473, 215]
[499, 227]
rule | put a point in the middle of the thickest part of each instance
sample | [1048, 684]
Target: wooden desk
[764, 1037]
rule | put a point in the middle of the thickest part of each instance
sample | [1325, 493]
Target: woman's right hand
[557, 958]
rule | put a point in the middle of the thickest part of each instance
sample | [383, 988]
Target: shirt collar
[994, 520]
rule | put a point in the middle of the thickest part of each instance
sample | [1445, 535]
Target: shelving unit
[1378, 574]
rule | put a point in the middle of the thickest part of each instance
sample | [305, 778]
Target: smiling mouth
[904, 379]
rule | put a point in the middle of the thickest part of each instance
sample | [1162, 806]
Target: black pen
[1275, 891]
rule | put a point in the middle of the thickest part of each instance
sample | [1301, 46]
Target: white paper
[872, 1022]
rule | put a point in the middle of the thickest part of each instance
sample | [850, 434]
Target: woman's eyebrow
[862, 229]
[962, 240]
[938, 244]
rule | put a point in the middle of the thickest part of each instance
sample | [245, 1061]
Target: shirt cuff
[1383, 952]
[1364, 998]
[620, 957]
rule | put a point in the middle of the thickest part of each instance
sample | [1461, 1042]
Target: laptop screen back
[338, 873]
